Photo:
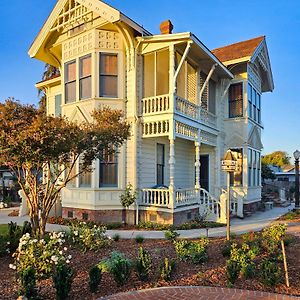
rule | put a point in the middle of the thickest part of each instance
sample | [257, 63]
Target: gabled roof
[99, 7]
[244, 49]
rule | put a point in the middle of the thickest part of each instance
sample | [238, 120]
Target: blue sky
[216, 23]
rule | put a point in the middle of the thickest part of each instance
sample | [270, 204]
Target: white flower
[54, 258]
[67, 261]
[76, 232]
[70, 256]
[11, 266]
[60, 252]
[8, 243]
[65, 248]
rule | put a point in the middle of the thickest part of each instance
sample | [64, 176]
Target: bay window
[254, 104]
[108, 75]
[85, 77]
[236, 100]
[70, 82]
[109, 170]
[85, 178]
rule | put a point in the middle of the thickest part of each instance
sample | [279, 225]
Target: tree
[266, 172]
[277, 158]
[32, 143]
[49, 72]
[127, 199]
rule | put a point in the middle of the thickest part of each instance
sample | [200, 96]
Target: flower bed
[208, 273]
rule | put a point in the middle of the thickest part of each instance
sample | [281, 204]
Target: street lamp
[229, 166]
[297, 156]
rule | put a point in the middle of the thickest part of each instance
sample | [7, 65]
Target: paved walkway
[256, 222]
[196, 293]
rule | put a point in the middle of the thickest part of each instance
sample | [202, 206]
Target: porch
[175, 176]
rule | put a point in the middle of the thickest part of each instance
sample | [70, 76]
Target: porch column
[172, 203]
[172, 82]
[197, 165]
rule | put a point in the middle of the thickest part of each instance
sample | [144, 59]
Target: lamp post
[229, 166]
[297, 156]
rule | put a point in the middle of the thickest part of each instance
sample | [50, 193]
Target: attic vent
[166, 27]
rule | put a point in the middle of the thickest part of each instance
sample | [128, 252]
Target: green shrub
[139, 239]
[62, 279]
[192, 251]
[241, 261]
[166, 270]
[270, 272]
[171, 235]
[4, 245]
[116, 237]
[226, 249]
[272, 236]
[143, 264]
[118, 266]
[288, 240]
[87, 238]
[27, 280]
[27, 228]
[95, 276]
[42, 255]
[233, 269]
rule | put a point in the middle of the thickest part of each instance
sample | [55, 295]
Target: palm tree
[49, 71]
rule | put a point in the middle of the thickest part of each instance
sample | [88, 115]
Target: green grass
[292, 215]
[3, 229]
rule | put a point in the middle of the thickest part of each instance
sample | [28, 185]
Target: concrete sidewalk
[256, 222]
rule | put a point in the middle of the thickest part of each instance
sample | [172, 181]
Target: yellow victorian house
[186, 105]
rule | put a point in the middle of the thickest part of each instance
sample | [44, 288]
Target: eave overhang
[188, 37]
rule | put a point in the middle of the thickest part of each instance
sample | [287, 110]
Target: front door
[204, 172]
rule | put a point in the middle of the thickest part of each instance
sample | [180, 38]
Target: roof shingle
[237, 50]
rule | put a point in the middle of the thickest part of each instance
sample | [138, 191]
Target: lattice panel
[73, 15]
[108, 40]
[79, 45]
[204, 98]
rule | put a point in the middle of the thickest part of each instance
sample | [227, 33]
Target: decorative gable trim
[235, 141]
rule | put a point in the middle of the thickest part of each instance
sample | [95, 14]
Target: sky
[216, 23]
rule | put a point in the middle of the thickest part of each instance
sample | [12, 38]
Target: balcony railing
[161, 104]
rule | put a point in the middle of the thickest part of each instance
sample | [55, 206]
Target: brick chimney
[166, 27]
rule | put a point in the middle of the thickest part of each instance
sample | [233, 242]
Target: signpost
[228, 164]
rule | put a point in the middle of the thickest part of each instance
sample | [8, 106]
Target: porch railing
[156, 197]
[187, 197]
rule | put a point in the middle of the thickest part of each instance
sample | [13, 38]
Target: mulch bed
[211, 273]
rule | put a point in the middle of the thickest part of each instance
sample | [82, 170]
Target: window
[160, 164]
[254, 168]
[109, 75]
[249, 167]
[57, 106]
[250, 100]
[258, 169]
[236, 100]
[84, 178]
[70, 82]
[212, 97]
[109, 171]
[254, 104]
[72, 183]
[85, 77]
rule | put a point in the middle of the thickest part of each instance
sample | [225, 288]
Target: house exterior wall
[149, 97]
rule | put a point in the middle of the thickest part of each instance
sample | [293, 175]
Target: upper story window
[58, 105]
[85, 77]
[254, 104]
[236, 100]
[108, 75]
[70, 82]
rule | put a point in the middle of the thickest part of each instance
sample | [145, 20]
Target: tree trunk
[124, 216]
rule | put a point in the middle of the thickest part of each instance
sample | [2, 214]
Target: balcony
[158, 105]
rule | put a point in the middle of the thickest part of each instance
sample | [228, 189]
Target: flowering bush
[41, 254]
[89, 238]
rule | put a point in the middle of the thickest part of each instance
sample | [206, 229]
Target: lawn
[210, 273]
[3, 229]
